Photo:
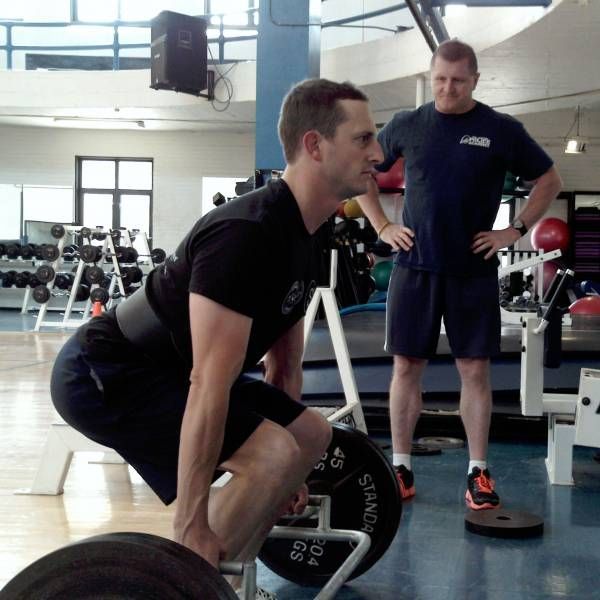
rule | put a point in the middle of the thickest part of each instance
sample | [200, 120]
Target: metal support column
[288, 50]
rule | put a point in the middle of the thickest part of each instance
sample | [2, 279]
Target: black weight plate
[41, 294]
[90, 254]
[57, 231]
[45, 273]
[364, 497]
[13, 251]
[504, 523]
[85, 232]
[94, 274]
[27, 252]
[444, 443]
[50, 252]
[422, 450]
[99, 294]
[158, 255]
[132, 566]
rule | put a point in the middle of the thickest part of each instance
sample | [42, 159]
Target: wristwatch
[519, 226]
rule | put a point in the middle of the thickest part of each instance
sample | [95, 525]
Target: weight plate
[94, 274]
[41, 294]
[89, 253]
[132, 566]
[158, 255]
[364, 497]
[99, 294]
[50, 252]
[504, 523]
[45, 273]
[57, 231]
[444, 443]
[85, 232]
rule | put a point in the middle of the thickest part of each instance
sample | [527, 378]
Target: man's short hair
[455, 50]
[312, 104]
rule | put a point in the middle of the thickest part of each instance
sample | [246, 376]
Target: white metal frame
[573, 419]
[326, 295]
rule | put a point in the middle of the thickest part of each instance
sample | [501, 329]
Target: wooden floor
[98, 498]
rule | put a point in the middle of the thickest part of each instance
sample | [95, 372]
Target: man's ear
[476, 80]
[311, 141]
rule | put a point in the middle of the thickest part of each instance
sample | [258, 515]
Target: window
[115, 192]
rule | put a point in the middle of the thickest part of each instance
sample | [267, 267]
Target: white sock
[401, 459]
[482, 464]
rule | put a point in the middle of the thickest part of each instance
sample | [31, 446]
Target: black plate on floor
[504, 523]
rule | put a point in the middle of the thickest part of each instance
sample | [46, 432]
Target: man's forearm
[541, 196]
[371, 206]
[202, 433]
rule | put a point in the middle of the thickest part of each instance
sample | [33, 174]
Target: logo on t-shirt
[310, 292]
[473, 140]
[293, 297]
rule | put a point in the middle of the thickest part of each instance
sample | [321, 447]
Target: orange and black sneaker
[480, 492]
[406, 480]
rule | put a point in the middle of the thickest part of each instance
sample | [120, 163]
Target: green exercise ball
[381, 273]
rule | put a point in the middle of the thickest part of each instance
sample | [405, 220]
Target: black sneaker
[480, 492]
[406, 480]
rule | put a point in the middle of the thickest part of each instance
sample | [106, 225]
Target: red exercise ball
[549, 269]
[588, 305]
[392, 179]
[550, 234]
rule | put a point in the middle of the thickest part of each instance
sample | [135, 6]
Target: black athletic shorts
[418, 300]
[142, 421]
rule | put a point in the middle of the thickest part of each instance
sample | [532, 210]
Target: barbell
[364, 497]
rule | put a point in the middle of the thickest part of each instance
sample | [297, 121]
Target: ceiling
[550, 65]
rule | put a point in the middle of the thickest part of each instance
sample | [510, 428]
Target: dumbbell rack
[107, 248]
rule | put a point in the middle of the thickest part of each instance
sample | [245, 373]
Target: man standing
[161, 379]
[456, 153]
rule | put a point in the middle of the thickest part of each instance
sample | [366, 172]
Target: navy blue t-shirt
[455, 166]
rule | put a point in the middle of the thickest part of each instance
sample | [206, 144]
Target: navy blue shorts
[418, 300]
[142, 421]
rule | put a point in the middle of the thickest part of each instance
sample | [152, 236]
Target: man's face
[452, 84]
[349, 157]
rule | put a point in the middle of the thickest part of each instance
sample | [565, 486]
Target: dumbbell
[41, 294]
[99, 294]
[22, 279]
[131, 275]
[45, 273]
[29, 251]
[90, 253]
[9, 279]
[83, 292]
[13, 251]
[50, 252]
[2, 249]
[94, 275]
[57, 231]
[70, 252]
[63, 281]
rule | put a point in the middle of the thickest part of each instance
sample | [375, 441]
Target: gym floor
[431, 558]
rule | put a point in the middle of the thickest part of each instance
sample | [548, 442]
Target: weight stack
[178, 53]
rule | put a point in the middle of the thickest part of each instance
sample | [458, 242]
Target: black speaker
[178, 48]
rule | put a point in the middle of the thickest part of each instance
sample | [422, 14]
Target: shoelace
[484, 484]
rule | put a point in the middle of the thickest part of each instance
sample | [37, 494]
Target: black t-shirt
[252, 255]
[454, 174]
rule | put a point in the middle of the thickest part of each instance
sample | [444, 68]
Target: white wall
[43, 156]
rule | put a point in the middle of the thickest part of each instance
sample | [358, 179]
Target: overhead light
[100, 123]
[575, 144]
